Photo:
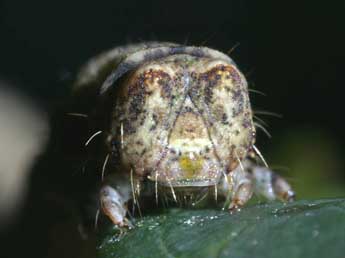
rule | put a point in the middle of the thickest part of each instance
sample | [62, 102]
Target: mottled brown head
[183, 118]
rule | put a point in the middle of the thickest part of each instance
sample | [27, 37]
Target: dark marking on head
[211, 79]
[237, 94]
[239, 98]
[136, 94]
[246, 123]
[235, 76]
[155, 122]
[225, 119]
[128, 127]
[139, 142]
[143, 152]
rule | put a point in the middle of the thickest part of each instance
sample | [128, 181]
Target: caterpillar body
[177, 117]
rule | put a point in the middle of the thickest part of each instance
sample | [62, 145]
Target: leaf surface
[299, 229]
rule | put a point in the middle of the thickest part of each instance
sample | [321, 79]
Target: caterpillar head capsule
[183, 120]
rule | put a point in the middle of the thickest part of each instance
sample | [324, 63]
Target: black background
[291, 50]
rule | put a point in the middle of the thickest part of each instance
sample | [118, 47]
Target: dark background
[293, 51]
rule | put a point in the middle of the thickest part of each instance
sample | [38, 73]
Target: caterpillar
[175, 117]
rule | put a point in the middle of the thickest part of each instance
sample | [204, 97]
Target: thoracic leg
[113, 198]
[248, 178]
[270, 185]
[239, 184]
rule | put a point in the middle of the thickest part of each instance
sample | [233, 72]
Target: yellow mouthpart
[191, 166]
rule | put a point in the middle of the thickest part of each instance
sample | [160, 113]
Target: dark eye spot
[225, 119]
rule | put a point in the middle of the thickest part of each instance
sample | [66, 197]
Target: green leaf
[300, 229]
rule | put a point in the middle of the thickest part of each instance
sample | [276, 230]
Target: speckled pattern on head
[181, 114]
